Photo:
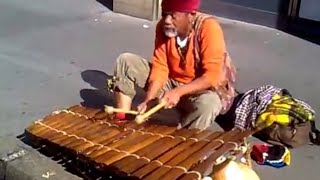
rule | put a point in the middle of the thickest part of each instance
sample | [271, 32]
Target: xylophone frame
[140, 151]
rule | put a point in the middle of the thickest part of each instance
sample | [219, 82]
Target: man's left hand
[171, 98]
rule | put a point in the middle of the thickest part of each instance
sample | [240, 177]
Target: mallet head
[109, 109]
[139, 119]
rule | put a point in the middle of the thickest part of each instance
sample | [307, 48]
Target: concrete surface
[30, 166]
[54, 54]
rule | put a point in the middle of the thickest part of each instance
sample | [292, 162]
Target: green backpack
[288, 123]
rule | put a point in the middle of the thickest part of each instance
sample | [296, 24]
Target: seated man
[190, 68]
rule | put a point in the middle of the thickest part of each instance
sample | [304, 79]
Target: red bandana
[180, 5]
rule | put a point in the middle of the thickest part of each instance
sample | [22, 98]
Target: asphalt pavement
[54, 54]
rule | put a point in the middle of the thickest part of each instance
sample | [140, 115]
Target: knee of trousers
[207, 107]
[123, 62]
[208, 104]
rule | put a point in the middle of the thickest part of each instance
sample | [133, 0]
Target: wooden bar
[69, 122]
[190, 175]
[182, 133]
[90, 112]
[53, 136]
[132, 149]
[227, 147]
[85, 133]
[172, 153]
[97, 138]
[62, 118]
[199, 156]
[185, 154]
[169, 154]
[185, 132]
[104, 140]
[132, 146]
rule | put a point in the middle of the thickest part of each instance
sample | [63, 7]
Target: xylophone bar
[170, 167]
[154, 148]
[227, 147]
[156, 163]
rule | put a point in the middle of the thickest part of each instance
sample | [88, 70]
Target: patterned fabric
[285, 110]
[254, 102]
[226, 89]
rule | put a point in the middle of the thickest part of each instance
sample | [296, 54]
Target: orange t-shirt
[166, 59]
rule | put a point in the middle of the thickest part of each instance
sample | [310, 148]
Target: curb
[221, 19]
[20, 162]
[227, 21]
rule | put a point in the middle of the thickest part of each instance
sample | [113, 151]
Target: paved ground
[53, 54]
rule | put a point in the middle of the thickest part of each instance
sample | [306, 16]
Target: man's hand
[151, 94]
[171, 98]
[142, 107]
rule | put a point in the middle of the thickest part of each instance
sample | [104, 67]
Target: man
[200, 89]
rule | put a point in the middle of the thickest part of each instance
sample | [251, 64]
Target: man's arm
[153, 89]
[198, 84]
[159, 70]
[212, 54]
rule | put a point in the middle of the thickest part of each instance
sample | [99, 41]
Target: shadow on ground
[226, 121]
[99, 96]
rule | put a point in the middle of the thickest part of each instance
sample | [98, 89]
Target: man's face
[175, 23]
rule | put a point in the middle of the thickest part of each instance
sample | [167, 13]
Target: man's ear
[194, 12]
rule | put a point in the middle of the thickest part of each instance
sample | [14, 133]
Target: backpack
[288, 122]
[226, 89]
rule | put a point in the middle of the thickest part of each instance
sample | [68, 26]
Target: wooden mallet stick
[111, 110]
[143, 117]
[248, 153]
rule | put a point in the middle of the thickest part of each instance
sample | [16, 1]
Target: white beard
[170, 32]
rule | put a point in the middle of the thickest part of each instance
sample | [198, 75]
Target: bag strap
[200, 18]
[197, 26]
[226, 88]
[314, 135]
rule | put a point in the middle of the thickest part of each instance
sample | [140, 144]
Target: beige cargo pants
[202, 108]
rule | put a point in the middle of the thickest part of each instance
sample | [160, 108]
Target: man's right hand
[142, 107]
[151, 94]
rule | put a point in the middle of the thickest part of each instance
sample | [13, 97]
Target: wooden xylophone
[143, 151]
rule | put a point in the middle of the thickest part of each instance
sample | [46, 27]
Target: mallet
[111, 110]
[143, 117]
